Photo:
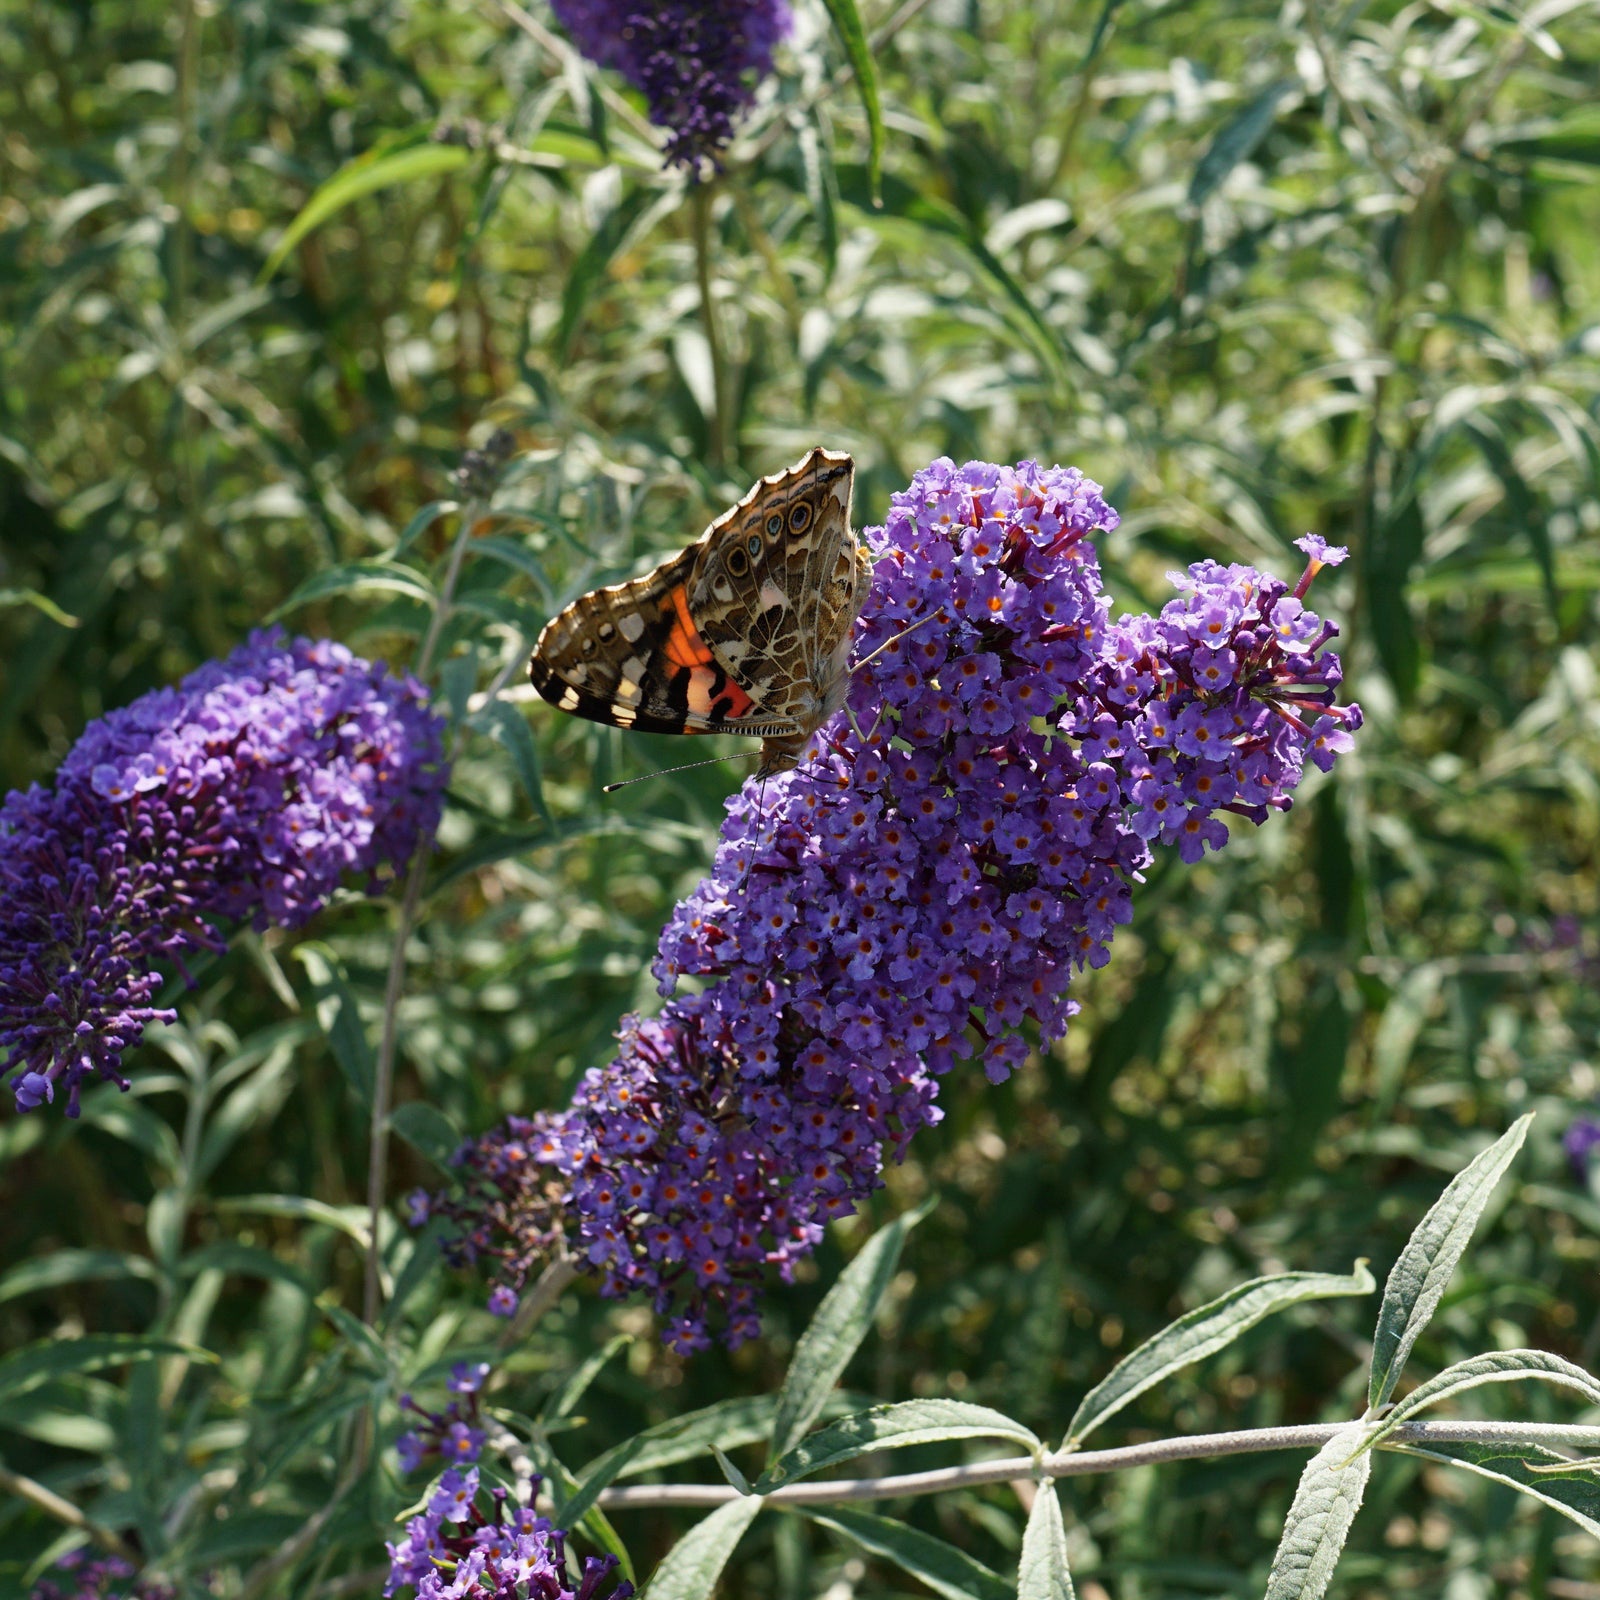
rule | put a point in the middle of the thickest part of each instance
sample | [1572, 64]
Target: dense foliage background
[1256, 270]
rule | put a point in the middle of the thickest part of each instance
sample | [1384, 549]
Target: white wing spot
[632, 626]
[568, 700]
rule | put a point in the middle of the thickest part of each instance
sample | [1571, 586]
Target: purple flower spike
[920, 891]
[246, 793]
[695, 61]
[455, 1550]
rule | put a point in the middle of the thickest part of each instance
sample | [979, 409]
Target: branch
[49, 1502]
[1082, 1463]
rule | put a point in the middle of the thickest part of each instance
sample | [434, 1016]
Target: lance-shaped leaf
[1498, 1366]
[357, 577]
[836, 1331]
[1043, 1573]
[402, 159]
[727, 1425]
[942, 1567]
[55, 1358]
[1417, 1282]
[1204, 1331]
[893, 1428]
[1568, 1487]
[853, 36]
[1324, 1506]
[693, 1565]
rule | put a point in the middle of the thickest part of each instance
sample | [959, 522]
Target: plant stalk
[1083, 1463]
[394, 986]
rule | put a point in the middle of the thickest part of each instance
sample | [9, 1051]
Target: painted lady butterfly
[747, 631]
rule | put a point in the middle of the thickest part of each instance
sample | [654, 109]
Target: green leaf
[942, 1567]
[1204, 1331]
[248, 1261]
[349, 1220]
[853, 36]
[728, 1424]
[565, 1399]
[1398, 1030]
[427, 1130]
[1043, 1573]
[39, 602]
[1498, 1366]
[892, 1427]
[403, 159]
[1418, 1279]
[1397, 540]
[55, 1358]
[338, 1016]
[507, 724]
[836, 1331]
[1324, 1506]
[74, 1266]
[421, 522]
[1533, 1470]
[736, 1479]
[357, 577]
[1236, 140]
[691, 1568]
[589, 270]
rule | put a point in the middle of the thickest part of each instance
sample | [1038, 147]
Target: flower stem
[394, 986]
[49, 1502]
[708, 315]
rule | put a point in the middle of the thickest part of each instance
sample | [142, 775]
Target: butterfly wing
[778, 585]
[629, 655]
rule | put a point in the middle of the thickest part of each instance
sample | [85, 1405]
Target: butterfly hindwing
[629, 655]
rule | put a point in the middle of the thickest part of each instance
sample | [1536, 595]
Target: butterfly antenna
[662, 772]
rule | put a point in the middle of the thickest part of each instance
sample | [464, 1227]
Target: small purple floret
[246, 793]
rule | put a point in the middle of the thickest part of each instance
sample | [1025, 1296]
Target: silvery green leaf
[1324, 1506]
[730, 1471]
[692, 1566]
[1570, 1487]
[942, 1567]
[891, 1428]
[1043, 1573]
[728, 1425]
[1498, 1366]
[1204, 1331]
[836, 1331]
[1418, 1279]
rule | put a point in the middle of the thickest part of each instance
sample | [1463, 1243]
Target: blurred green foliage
[1258, 270]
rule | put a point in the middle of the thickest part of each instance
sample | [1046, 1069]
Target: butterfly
[746, 631]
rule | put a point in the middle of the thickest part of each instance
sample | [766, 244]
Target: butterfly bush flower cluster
[696, 62]
[246, 793]
[98, 1578]
[455, 1549]
[919, 891]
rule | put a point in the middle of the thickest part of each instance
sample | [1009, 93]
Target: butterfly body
[746, 631]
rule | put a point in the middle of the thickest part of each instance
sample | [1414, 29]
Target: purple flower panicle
[921, 889]
[247, 792]
[453, 1549]
[695, 61]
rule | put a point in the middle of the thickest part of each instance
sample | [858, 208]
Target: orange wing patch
[684, 646]
[710, 691]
